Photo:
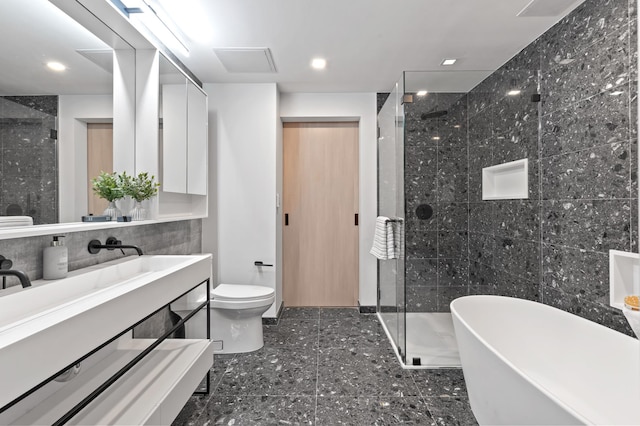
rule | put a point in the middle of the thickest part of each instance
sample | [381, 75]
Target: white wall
[124, 110]
[74, 114]
[362, 106]
[279, 179]
[243, 123]
[146, 146]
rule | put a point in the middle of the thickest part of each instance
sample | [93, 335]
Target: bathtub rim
[526, 377]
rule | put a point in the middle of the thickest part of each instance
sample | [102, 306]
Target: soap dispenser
[55, 260]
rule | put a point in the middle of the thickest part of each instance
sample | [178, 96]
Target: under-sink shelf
[153, 392]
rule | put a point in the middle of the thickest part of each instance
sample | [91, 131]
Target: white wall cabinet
[174, 137]
[197, 133]
[183, 136]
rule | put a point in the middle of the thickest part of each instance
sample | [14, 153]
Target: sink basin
[46, 327]
[44, 296]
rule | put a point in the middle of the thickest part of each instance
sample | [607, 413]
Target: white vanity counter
[46, 327]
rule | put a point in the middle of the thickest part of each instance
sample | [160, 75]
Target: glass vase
[112, 211]
[138, 212]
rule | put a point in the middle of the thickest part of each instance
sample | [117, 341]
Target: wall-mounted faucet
[6, 271]
[112, 243]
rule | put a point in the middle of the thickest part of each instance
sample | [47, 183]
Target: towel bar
[395, 220]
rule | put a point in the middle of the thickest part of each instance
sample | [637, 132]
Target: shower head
[434, 114]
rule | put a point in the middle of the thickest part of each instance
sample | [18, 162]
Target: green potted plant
[109, 187]
[140, 188]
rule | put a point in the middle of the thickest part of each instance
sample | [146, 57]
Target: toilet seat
[238, 291]
[237, 296]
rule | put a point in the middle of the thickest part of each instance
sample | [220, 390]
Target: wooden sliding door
[320, 200]
[99, 159]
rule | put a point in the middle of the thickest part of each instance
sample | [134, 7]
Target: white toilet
[236, 317]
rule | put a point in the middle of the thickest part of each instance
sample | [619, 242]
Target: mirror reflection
[56, 77]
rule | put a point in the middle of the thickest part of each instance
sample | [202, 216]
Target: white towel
[387, 240]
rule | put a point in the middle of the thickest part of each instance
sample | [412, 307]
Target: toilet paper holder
[260, 263]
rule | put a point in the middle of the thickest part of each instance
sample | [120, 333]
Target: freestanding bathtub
[526, 363]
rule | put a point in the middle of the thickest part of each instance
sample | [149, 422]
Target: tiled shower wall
[582, 202]
[436, 247]
[28, 159]
[581, 142]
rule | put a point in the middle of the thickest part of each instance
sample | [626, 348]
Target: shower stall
[29, 157]
[437, 130]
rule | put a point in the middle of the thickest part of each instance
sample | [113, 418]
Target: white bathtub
[529, 363]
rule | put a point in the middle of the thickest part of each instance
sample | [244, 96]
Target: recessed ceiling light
[56, 66]
[457, 126]
[436, 138]
[421, 93]
[449, 62]
[616, 93]
[319, 63]
[513, 92]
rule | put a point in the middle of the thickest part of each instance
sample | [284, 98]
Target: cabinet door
[174, 138]
[196, 141]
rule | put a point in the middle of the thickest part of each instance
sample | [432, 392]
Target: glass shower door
[391, 280]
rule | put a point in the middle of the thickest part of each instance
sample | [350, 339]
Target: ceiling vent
[545, 8]
[101, 57]
[246, 60]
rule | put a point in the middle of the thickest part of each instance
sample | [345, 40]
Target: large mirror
[55, 125]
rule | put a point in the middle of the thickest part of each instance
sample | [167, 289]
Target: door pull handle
[286, 219]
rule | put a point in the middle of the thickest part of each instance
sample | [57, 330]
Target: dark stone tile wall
[588, 155]
[581, 142]
[381, 98]
[437, 261]
[504, 235]
[28, 158]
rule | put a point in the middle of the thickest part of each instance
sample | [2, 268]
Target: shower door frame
[396, 330]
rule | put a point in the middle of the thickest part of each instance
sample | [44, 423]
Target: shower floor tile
[430, 337]
[327, 367]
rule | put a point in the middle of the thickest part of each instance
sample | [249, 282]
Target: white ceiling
[367, 43]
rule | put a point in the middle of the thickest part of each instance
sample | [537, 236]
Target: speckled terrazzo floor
[327, 367]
